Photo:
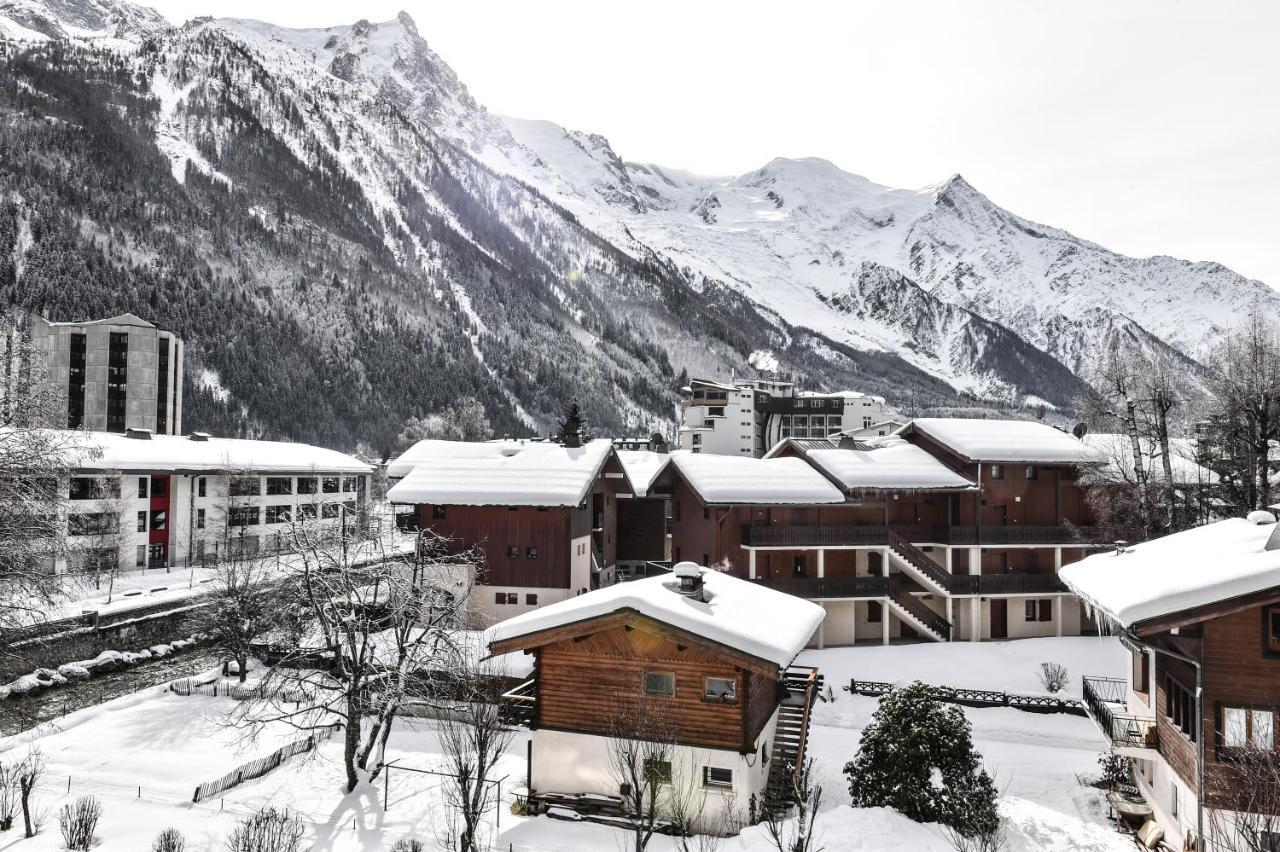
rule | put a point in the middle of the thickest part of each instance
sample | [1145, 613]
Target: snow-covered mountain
[339, 191]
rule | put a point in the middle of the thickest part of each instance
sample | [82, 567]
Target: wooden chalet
[1199, 611]
[709, 654]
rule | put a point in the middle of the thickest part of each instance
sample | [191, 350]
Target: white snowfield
[766, 624]
[735, 480]
[978, 440]
[642, 468]
[889, 463]
[497, 473]
[1188, 569]
[180, 454]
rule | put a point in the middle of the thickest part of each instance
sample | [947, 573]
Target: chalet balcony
[875, 536]
[1105, 700]
[1006, 584]
[815, 588]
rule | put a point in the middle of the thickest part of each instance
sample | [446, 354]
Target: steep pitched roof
[736, 480]
[884, 464]
[497, 473]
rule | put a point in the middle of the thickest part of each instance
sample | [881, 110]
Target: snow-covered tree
[917, 757]
[465, 420]
[573, 431]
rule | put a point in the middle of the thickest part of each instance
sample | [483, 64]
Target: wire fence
[263, 765]
[236, 691]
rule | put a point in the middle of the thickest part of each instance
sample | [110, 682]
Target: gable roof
[179, 453]
[1189, 569]
[976, 440]
[739, 614]
[883, 464]
[497, 473]
[642, 468]
[738, 480]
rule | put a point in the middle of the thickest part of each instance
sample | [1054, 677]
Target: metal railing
[871, 536]
[520, 704]
[1104, 698]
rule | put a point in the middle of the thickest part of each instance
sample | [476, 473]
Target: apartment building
[1199, 611]
[115, 374]
[160, 501]
[951, 529]
[748, 417]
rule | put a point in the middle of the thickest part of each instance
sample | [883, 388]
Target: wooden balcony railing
[872, 536]
[1104, 698]
[834, 587]
[1006, 584]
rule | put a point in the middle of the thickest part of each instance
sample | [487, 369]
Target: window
[659, 683]
[200, 517]
[997, 471]
[277, 485]
[87, 488]
[531, 552]
[245, 486]
[329, 485]
[1269, 841]
[201, 488]
[1141, 672]
[513, 598]
[308, 511]
[1039, 610]
[715, 776]
[90, 523]
[1032, 473]
[531, 599]
[1180, 708]
[500, 598]
[142, 486]
[278, 514]
[723, 689]
[1271, 631]
[159, 487]
[242, 516]
[513, 552]
[142, 556]
[142, 522]
[437, 512]
[1244, 727]
[159, 520]
[330, 510]
[657, 771]
[307, 485]
[348, 483]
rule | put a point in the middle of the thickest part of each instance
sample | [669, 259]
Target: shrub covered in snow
[917, 757]
[1053, 677]
[169, 840]
[268, 830]
[78, 821]
[408, 844]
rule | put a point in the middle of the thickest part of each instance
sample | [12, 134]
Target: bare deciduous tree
[268, 830]
[473, 738]
[371, 627]
[29, 772]
[641, 750]
[795, 833]
[1244, 792]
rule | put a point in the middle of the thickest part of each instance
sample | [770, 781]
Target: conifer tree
[917, 757]
[573, 429]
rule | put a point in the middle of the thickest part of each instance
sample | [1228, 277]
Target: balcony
[876, 536]
[1006, 584]
[1105, 699]
[815, 588]
[519, 706]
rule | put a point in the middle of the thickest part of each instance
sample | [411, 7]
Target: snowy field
[167, 744]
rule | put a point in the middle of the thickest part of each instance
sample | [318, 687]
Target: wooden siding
[495, 529]
[585, 683]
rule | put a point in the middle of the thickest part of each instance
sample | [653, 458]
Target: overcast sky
[1150, 126]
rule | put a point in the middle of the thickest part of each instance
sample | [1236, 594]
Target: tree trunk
[1264, 474]
[1139, 472]
[1162, 435]
[351, 741]
[242, 662]
[26, 807]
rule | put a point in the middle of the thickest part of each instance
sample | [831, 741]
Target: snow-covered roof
[1177, 572]
[707, 383]
[642, 468]
[846, 394]
[121, 319]
[740, 614]
[1118, 453]
[497, 473]
[179, 453]
[1004, 440]
[739, 480]
[889, 463]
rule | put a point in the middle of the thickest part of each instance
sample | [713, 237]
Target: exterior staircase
[790, 737]
[915, 563]
[916, 614]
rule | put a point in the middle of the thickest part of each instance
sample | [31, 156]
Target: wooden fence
[263, 765]
[979, 698]
[235, 691]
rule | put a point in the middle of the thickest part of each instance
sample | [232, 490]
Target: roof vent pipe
[689, 574]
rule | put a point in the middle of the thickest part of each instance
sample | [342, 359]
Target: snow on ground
[1012, 666]
[168, 744]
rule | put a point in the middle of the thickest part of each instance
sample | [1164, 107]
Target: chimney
[689, 574]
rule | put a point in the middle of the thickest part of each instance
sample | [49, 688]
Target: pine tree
[573, 429]
[917, 757]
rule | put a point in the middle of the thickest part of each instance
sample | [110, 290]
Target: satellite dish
[1080, 430]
